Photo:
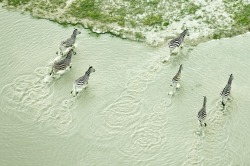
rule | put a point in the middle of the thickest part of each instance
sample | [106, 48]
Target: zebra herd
[64, 63]
[79, 84]
[177, 42]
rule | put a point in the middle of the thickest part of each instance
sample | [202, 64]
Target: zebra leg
[224, 100]
[52, 71]
[181, 45]
[223, 104]
[178, 86]
[200, 123]
[171, 50]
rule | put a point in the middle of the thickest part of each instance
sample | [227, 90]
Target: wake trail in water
[29, 98]
[210, 144]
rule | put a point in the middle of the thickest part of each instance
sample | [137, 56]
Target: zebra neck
[73, 36]
[87, 72]
[179, 71]
[204, 102]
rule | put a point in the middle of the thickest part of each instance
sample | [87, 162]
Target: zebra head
[91, 69]
[181, 67]
[204, 101]
[76, 32]
[186, 32]
[230, 79]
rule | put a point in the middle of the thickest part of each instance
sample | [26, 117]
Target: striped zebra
[226, 91]
[176, 78]
[62, 64]
[82, 82]
[177, 42]
[69, 42]
[202, 113]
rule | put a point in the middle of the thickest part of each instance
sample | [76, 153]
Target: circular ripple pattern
[212, 141]
[122, 115]
[29, 98]
[145, 142]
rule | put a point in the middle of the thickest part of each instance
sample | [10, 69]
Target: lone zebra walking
[202, 113]
[226, 91]
[82, 82]
[177, 42]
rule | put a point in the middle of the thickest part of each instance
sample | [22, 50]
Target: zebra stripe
[62, 64]
[227, 90]
[179, 40]
[202, 113]
[84, 79]
[70, 41]
[177, 77]
[80, 82]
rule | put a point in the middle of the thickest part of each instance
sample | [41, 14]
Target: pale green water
[125, 116]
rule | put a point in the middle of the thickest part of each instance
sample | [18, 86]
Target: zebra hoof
[205, 124]
[70, 67]
[50, 74]
[57, 53]
[170, 93]
[71, 92]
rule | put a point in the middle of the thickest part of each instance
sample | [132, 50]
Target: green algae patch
[85, 9]
[17, 2]
[153, 20]
[243, 17]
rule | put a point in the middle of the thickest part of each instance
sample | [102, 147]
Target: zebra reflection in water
[82, 82]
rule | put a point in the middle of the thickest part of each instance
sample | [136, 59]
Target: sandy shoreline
[153, 22]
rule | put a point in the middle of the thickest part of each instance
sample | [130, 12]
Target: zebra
[175, 81]
[202, 113]
[177, 77]
[62, 64]
[82, 81]
[226, 91]
[69, 42]
[178, 41]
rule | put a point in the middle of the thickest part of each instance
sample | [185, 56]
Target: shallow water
[125, 116]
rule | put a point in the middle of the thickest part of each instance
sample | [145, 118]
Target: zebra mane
[204, 101]
[230, 79]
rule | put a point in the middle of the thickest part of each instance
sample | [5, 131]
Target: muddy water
[125, 116]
